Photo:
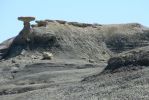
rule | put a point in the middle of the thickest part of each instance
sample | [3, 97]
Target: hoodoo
[23, 36]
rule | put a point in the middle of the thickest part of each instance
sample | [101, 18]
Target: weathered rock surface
[47, 55]
[3, 51]
[78, 70]
[137, 57]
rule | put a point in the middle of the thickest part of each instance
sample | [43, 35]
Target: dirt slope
[91, 62]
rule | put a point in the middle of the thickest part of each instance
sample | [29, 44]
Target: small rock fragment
[23, 52]
[47, 55]
[13, 61]
[41, 23]
[91, 61]
[14, 69]
[84, 58]
[34, 57]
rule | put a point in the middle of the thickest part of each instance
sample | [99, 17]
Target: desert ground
[89, 62]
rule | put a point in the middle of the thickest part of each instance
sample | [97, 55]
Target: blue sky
[90, 11]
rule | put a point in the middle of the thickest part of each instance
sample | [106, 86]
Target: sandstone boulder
[47, 55]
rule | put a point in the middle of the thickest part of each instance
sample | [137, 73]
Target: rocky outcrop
[23, 36]
[74, 40]
[22, 40]
[137, 57]
[63, 40]
[3, 51]
[41, 23]
[126, 37]
[47, 55]
[79, 50]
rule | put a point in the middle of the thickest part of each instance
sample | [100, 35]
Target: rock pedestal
[23, 36]
[26, 21]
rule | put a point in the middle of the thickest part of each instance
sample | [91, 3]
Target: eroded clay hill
[90, 62]
[74, 40]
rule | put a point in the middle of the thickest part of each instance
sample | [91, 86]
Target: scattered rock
[47, 55]
[61, 21]
[13, 61]
[91, 60]
[14, 69]
[41, 23]
[69, 43]
[84, 58]
[102, 59]
[83, 25]
[34, 25]
[17, 65]
[23, 52]
[48, 20]
[34, 57]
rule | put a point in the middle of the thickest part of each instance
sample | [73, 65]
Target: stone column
[23, 36]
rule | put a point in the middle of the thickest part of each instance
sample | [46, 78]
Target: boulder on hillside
[47, 55]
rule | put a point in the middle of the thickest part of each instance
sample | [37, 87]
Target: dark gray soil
[90, 62]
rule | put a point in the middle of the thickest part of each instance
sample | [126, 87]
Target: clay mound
[75, 47]
[124, 37]
[81, 40]
[64, 41]
[136, 58]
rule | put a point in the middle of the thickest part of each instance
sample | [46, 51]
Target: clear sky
[90, 11]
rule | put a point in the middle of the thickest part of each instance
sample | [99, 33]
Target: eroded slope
[24, 75]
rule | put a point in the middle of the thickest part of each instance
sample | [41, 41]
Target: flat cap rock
[26, 19]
